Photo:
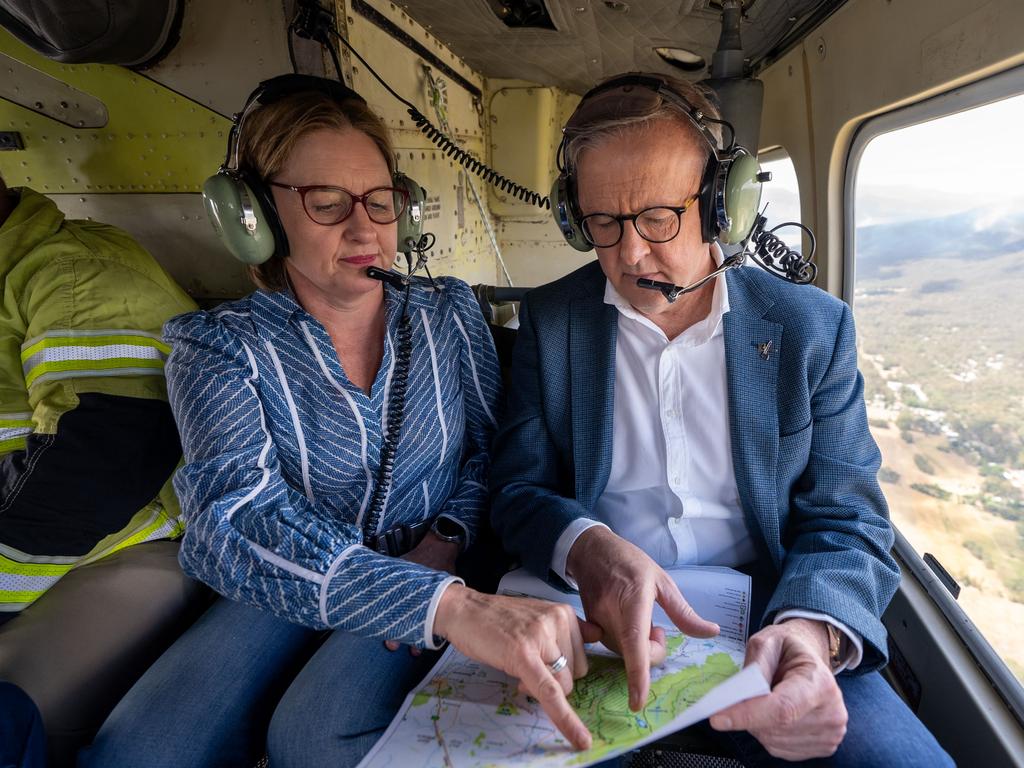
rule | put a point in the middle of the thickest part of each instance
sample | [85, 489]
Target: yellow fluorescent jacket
[81, 311]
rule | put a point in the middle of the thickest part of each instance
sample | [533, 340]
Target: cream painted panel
[462, 247]
[528, 237]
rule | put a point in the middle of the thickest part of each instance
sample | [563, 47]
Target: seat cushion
[81, 646]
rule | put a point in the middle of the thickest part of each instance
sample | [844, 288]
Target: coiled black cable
[396, 413]
[777, 257]
[472, 164]
[439, 139]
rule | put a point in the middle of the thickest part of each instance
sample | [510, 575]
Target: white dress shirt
[672, 489]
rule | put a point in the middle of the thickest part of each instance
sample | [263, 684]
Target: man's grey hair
[600, 129]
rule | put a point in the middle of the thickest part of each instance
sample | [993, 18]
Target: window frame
[992, 89]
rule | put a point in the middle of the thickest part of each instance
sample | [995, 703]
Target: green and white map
[468, 715]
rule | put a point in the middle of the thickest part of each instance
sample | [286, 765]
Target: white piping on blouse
[437, 387]
[359, 419]
[330, 575]
[472, 368]
[293, 411]
[261, 461]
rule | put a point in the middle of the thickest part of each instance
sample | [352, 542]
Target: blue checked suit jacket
[805, 463]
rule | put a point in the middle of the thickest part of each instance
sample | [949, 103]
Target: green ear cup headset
[730, 189]
[239, 203]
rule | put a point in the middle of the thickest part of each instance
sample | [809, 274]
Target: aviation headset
[239, 203]
[730, 189]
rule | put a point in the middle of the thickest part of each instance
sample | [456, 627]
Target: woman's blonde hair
[271, 132]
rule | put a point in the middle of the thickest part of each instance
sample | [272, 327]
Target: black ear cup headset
[240, 205]
[730, 189]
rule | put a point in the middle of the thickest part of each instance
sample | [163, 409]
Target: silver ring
[558, 665]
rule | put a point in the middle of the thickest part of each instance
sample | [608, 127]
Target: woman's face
[330, 262]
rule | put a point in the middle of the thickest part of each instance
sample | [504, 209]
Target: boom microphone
[770, 252]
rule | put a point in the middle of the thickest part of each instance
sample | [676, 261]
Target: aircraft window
[937, 285]
[782, 194]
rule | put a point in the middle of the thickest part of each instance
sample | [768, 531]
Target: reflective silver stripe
[16, 582]
[13, 427]
[10, 433]
[65, 353]
[106, 352]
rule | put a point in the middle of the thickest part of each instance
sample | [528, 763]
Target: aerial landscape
[939, 305]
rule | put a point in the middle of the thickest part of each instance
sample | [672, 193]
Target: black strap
[396, 541]
[396, 412]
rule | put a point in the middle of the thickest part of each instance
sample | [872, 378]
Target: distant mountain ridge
[960, 235]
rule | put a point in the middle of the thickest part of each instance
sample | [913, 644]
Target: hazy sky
[973, 159]
[968, 160]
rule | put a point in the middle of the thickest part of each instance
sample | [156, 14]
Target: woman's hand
[433, 553]
[522, 637]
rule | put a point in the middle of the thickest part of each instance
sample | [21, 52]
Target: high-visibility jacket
[82, 306]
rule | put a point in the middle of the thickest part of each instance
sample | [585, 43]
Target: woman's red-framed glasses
[332, 205]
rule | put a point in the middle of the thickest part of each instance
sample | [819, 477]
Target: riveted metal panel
[50, 97]
[155, 139]
[464, 251]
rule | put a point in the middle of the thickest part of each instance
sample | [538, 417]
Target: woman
[284, 400]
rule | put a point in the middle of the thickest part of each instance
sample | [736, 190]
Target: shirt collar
[700, 332]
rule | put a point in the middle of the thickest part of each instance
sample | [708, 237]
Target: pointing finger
[539, 682]
[636, 652]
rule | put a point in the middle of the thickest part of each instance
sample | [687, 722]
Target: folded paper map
[467, 715]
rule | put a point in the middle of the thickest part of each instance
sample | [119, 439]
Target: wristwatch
[835, 645]
[447, 529]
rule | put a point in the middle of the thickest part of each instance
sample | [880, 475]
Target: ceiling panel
[592, 40]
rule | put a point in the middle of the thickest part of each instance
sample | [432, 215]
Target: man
[87, 448]
[726, 428]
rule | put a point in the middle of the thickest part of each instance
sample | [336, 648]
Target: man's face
[643, 167]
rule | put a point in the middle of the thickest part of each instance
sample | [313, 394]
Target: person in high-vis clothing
[87, 448]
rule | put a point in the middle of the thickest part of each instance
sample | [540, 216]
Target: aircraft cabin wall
[870, 57]
[133, 149]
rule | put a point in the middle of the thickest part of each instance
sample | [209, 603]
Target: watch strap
[835, 646]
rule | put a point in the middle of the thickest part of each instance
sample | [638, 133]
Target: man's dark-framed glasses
[657, 224]
[332, 205]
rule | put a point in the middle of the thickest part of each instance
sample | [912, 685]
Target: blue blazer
[806, 465]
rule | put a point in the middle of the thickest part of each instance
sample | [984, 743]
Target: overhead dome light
[682, 58]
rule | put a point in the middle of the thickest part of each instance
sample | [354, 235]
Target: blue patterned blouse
[281, 455]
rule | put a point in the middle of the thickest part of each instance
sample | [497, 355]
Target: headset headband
[621, 97]
[275, 89]
[730, 187]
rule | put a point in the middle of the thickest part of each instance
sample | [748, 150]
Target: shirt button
[676, 479]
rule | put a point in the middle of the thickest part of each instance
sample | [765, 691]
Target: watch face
[448, 528]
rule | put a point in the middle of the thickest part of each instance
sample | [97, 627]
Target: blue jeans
[241, 682]
[22, 741]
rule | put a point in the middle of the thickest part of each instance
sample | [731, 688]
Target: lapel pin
[765, 350]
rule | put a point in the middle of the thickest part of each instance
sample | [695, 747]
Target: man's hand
[804, 715]
[433, 553]
[619, 584]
